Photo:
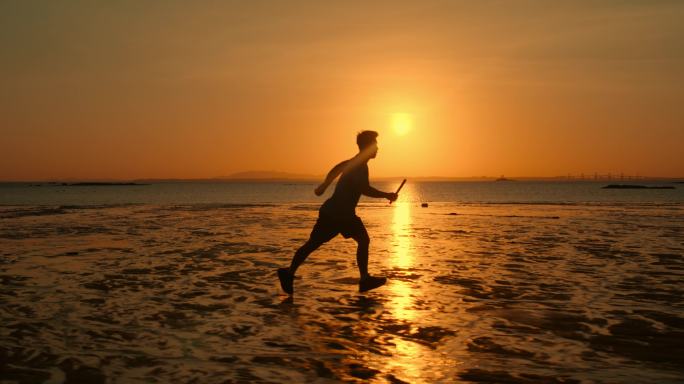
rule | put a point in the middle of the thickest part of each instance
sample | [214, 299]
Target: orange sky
[175, 89]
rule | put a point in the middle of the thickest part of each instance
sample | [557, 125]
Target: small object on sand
[632, 186]
[371, 282]
[424, 205]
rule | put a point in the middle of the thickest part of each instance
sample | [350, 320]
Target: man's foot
[286, 279]
[371, 282]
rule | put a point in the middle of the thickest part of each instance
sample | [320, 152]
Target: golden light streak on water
[402, 256]
[402, 301]
[407, 357]
[407, 360]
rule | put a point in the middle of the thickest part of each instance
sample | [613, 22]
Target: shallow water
[520, 293]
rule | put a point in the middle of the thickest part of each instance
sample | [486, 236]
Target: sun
[402, 123]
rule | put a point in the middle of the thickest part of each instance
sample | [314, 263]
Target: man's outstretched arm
[332, 175]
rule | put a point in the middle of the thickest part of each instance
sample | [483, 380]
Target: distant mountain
[268, 175]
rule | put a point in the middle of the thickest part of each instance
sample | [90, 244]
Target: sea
[466, 192]
[488, 282]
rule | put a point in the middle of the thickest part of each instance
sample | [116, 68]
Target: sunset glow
[433, 191]
[402, 123]
[179, 90]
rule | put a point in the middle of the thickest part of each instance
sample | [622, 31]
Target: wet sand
[477, 293]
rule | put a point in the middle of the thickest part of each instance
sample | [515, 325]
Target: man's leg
[322, 232]
[320, 235]
[360, 235]
[304, 251]
[366, 282]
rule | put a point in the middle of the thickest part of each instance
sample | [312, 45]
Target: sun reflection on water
[402, 258]
[407, 356]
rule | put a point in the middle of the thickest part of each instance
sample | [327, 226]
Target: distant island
[86, 184]
[268, 175]
[247, 176]
[632, 186]
[99, 184]
[503, 179]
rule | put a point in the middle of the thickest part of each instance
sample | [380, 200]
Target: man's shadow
[363, 304]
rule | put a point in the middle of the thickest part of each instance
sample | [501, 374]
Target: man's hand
[392, 196]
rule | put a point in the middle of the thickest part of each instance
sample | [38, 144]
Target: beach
[498, 292]
[164, 161]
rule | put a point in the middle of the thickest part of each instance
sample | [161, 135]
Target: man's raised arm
[334, 172]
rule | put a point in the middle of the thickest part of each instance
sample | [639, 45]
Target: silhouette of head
[368, 143]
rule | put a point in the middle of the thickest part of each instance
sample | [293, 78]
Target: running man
[338, 213]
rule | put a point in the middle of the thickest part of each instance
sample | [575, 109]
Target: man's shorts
[328, 227]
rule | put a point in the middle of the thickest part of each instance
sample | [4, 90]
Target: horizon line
[309, 178]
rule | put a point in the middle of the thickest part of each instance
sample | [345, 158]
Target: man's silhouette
[338, 213]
